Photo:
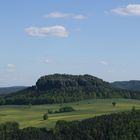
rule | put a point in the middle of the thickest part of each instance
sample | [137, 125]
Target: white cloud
[129, 10]
[65, 15]
[57, 15]
[58, 31]
[104, 63]
[11, 68]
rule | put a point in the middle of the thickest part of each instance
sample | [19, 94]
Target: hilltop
[62, 88]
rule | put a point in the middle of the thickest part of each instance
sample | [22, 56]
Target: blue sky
[40, 37]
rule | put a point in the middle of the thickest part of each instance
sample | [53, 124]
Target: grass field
[33, 116]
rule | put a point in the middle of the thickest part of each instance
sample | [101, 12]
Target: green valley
[32, 115]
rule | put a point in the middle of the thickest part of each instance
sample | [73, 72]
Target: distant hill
[62, 88]
[129, 85]
[8, 90]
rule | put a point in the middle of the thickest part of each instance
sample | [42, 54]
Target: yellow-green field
[33, 116]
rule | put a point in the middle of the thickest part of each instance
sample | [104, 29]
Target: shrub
[45, 116]
[66, 109]
[114, 104]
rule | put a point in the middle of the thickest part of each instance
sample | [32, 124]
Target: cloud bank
[56, 31]
[129, 10]
[65, 15]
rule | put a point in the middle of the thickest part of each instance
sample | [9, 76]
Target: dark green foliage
[66, 109]
[2, 101]
[9, 131]
[62, 88]
[32, 133]
[45, 116]
[62, 110]
[117, 126]
[114, 104]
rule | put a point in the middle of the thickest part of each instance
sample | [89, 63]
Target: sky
[41, 37]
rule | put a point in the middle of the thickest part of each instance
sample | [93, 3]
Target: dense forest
[117, 126]
[129, 85]
[62, 88]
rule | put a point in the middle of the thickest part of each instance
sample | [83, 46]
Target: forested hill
[7, 90]
[59, 88]
[63, 81]
[129, 85]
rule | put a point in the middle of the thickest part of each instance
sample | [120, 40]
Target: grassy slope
[84, 109]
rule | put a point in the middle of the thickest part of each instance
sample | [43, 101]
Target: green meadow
[33, 116]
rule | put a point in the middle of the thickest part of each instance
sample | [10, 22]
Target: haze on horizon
[43, 37]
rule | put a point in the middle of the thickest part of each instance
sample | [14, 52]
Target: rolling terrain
[64, 88]
[129, 85]
[33, 115]
[90, 98]
[8, 90]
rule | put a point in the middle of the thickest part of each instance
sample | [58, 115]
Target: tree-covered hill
[8, 90]
[59, 88]
[129, 85]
